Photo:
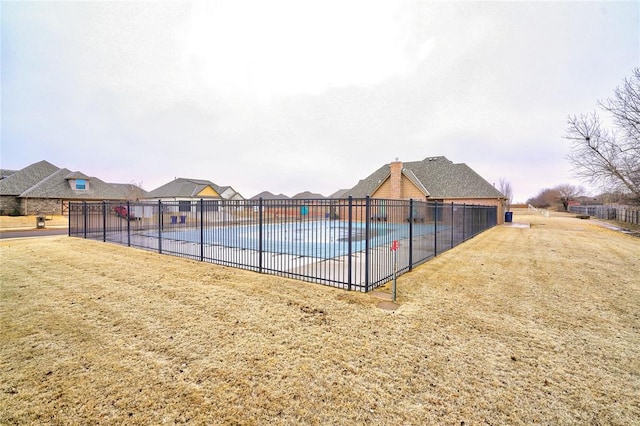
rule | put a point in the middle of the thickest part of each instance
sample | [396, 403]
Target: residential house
[308, 195]
[432, 179]
[43, 188]
[185, 189]
[186, 195]
[266, 195]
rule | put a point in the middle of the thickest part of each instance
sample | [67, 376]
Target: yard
[515, 326]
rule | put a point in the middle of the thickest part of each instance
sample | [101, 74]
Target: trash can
[174, 219]
[40, 222]
[508, 216]
[183, 219]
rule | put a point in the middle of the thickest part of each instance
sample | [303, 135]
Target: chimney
[395, 180]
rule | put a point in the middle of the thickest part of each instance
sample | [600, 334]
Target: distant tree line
[561, 196]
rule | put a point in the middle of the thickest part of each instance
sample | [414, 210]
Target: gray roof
[44, 180]
[26, 178]
[6, 173]
[341, 193]
[266, 195]
[129, 190]
[222, 189]
[182, 188]
[57, 186]
[76, 175]
[307, 195]
[437, 177]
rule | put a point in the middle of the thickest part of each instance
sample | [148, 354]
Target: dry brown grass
[516, 326]
[8, 223]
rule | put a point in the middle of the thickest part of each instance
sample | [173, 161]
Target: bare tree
[545, 198]
[610, 156]
[507, 191]
[567, 193]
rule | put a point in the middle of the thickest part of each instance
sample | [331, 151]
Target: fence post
[201, 230]
[349, 240]
[453, 224]
[367, 232]
[69, 228]
[435, 228]
[260, 204]
[104, 221]
[160, 226]
[129, 224]
[84, 215]
[464, 221]
[410, 234]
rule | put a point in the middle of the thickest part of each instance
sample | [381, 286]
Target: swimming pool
[321, 239]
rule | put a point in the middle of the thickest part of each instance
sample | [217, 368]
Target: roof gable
[266, 195]
[208, 191]
[185, 188]
[415, 181]
[436, 177]
[57, 186]
[307, 195]
[77, 175]
[22, 180]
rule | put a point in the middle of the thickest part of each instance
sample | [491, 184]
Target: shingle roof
[266, 195]
[228, 192]
[76, 175]
[438, 176]
[44, 180]
[129, 190]
[26, 178]
[307, 195]
[57, 186]
[4, 173]
[182, 188]
[339, 193]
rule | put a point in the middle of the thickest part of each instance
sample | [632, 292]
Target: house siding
[41, 206]
[405, 191]
[208, 192]
[409, 190]
[9, 205]
[384, 191]
[29, 206]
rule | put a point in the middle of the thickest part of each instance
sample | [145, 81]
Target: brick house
[432, 179]
[43, 188]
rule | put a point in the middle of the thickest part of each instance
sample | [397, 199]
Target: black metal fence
[338, 242]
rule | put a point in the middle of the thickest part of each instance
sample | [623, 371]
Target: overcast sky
[289, 96]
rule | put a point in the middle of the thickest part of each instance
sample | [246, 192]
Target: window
[81, 184]
[184, 206]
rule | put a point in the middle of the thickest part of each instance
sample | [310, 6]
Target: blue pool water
[323, 239]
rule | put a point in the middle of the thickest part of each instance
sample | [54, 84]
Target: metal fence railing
[625, 214]
[338, 242]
